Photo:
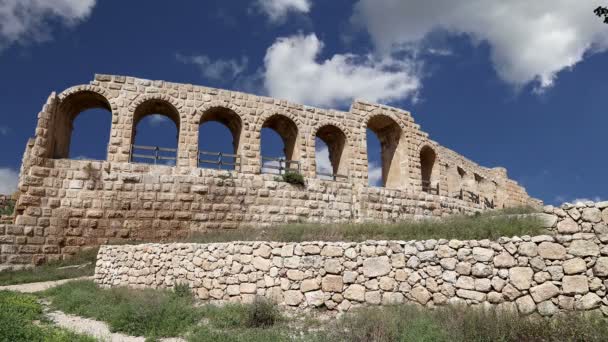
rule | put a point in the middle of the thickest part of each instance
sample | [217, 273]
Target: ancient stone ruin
[65, 204]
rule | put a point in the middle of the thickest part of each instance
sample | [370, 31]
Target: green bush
[8, 210]
[294, 178]
[262, 313]
[17, 315]
[150, 313]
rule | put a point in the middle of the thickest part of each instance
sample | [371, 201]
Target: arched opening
[82, 126]
[219, 138]
[427, 164]
[279, 151]
[387, 135]
[155, 136]
[331, 153]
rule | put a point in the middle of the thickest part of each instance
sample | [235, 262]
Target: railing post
[219, 161]
[156, 151]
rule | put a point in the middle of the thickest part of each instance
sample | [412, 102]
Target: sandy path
[37, 287]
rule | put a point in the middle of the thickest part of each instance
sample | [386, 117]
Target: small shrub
[9, 209]
[293, 178]
[182, 290]
[262, 313]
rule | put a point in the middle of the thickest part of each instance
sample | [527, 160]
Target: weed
[294, 178]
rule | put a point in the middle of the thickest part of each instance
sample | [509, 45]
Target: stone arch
[289, 132]
[164, 105]
[390, 133]
[338, 144]
[72, 102]
[227, 117]
[429, 160]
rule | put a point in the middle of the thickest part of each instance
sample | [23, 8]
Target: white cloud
[157, 119]
[323, 162]
[24, 20]
[374, 175]
[292, 72]
[8, 181]
[530, 41]
[278, 10]
[218, 70]
[4, 130]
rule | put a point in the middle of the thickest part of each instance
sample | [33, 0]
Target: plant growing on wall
[602, 11]
[293, 178]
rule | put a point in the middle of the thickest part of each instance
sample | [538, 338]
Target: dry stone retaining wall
[545, 274]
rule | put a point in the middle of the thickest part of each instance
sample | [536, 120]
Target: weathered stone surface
[521, 277]
[568, 226]
[375, 267]
[528, 249]
[583, 248]
[551, 251]
[482, 254]
[544, 292]
[574, 266]
[355, 292]
[601, 267]
[504, 260]
[420, 294]
[309, 285]
[315, 298]
[575, 284]
[547, 308]
[593, 215]
[474, 295]
[588, 302]
[525, 305]
[293, 298]
[332, 283]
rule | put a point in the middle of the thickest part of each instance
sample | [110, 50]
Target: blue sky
[518, 84]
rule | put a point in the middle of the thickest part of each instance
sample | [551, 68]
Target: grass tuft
[22, 319]
[262, 313]
[79, 265]
[490, 225]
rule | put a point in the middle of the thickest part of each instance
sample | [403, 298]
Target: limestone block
[521, 277]
[551, 251]
[574, 266]
[575, 284]
[583, 248]
[544, 292]
[525, 305]
[600, 269]
[355, 292]
[420, 294]
[593, 215]
[375, 267]
[568, 226]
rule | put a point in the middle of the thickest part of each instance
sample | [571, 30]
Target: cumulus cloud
[28, 20]
[293, 72]
[157, 119]
[217, 70]
[374, 175]
[323, 162]
[530, 41]
[8, 181]
[278, 10]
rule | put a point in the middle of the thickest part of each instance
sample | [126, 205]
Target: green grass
[163, 313]
[489, 225]
[53, 270]
[460, 324]
[22, 319]
[8, 210]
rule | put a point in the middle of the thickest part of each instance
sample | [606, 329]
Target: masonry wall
[65, 205]
[563, 271]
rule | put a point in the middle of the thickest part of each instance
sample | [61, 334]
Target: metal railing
[153, 153]
[428, 188]
[222, 159]
[475, 198]
[279, 164]
[332, 176]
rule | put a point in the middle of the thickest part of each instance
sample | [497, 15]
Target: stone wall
[66, 204]
[545, 274]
